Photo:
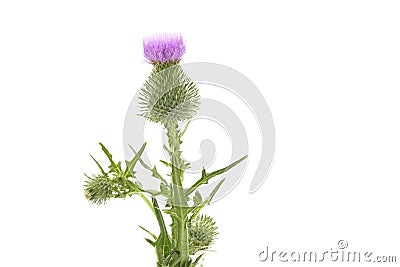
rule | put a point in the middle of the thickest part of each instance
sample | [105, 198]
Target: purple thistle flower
[164, 48]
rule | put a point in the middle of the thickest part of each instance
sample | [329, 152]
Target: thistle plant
[168, 97]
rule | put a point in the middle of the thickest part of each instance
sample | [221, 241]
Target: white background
[329, 71]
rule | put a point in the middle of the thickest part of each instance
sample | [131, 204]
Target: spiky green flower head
[202, 233]
[98, 189]
[168, 95]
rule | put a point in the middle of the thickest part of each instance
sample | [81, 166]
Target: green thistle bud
[169, 95]
[98, 189]
[202, 233]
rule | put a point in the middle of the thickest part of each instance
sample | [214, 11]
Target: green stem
[179, 201]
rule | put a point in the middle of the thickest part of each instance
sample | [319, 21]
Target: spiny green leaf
[196, 209]
[153, 170]
[205, 177]
[113, 165]
[163, 243]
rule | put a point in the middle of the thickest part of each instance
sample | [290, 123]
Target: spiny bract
[202, 233]
[98, 189]
[169, 95]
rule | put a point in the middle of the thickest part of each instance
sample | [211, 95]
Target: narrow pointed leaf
[154, 171]
[196, 209]
[113, 165]
[197, 260]
[152, 243]
[98, 165]
[147, 231]
[135, 159]
[205, 177]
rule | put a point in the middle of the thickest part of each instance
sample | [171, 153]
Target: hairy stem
[179, 202]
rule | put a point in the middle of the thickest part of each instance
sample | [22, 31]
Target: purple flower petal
[164, 48]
